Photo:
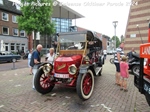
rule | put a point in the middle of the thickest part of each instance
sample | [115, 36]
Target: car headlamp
[72, 69]
[47, 68]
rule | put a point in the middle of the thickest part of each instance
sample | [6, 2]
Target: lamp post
[115, 23]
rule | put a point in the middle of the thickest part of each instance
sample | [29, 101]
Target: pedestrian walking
[124, 73]
[35, 59]
[105, 54]
[117, 58]
[29, 59]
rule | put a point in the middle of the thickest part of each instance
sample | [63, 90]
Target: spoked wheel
[42, 82]
[136, 69]
[85, 85]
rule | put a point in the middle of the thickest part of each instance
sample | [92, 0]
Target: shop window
[12, 46]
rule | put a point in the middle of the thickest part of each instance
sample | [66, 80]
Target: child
[124, 73]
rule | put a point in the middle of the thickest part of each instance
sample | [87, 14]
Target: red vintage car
[80, 59]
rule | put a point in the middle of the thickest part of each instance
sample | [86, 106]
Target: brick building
[137, 25]
[11, 39]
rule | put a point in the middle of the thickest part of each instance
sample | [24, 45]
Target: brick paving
[16, 95]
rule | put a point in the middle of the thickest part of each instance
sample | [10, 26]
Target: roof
[9, 7]
[66, 12]
[58, 11]
[88, 32]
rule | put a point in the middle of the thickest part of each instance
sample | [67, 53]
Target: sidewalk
[16, 95]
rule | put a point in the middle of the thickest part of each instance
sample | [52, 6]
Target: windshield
[72, 42]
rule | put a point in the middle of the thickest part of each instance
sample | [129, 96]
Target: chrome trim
[73, 65]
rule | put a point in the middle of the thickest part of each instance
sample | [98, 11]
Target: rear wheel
[42, 82]
[136, 69]
[85, 85]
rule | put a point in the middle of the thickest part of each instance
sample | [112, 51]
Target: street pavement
[16, 95]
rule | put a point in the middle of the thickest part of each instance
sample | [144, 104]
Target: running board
[97, 70]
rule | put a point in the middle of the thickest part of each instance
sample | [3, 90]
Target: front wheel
[85, 85]
[42, 82]
[136, 69]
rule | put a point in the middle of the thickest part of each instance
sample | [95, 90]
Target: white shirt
[105, 52]
[50, 58]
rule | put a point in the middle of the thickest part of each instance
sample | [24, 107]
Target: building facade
[61, 25]
[11, 39]
[137, 25]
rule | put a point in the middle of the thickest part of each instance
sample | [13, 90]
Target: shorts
[123, 78]
[117, 67]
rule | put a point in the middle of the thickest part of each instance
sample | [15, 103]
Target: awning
[65, 12]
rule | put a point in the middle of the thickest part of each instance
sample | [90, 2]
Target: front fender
[84, 68]
[135, 63]
[39, 65]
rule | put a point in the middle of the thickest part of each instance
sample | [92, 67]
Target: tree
[117, 41]
[36, 16]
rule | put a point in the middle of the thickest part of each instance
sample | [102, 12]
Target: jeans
[34, 70]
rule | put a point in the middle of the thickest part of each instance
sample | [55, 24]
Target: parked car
[80, 59]
[9, 57]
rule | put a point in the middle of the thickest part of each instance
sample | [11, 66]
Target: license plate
[61, 75]
[147, 88]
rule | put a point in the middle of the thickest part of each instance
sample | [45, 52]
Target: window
[5, 31]
[1, 1]
[15, 32]
[22, 33]
[5, 16]
[132, 35]
[14, 19]
[12, 46]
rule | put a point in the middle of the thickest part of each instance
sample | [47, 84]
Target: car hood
[63, 62]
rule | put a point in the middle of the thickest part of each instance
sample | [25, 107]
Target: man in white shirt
[50, 56]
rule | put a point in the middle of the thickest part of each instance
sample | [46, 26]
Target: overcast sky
[99, 14]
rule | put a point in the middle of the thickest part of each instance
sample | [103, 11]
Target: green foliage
[36, 16]
[117, 41]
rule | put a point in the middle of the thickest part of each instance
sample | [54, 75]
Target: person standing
[105, 54]
[117, 58]
[29, 59]
[130, 56]
[124, 73]
[35, 59]
[50, 56]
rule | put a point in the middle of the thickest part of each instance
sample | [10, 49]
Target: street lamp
[115, 23]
